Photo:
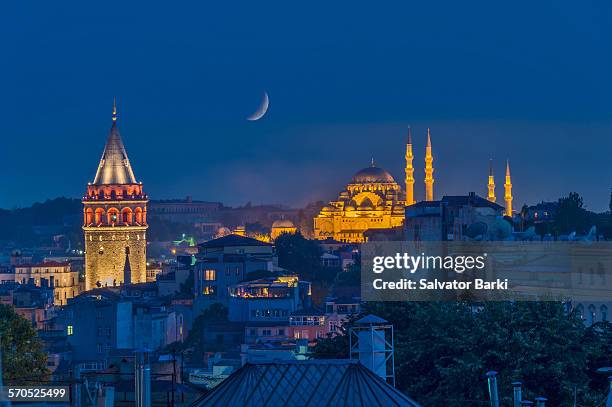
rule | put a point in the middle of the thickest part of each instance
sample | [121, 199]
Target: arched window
[113, 216]
[99, 217]
[88, 216]
[592, 314]
[138, 215]
[126, 216]
[580, 311]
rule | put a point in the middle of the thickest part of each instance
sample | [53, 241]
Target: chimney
[518, 394]
[541, 401]
[493, 396]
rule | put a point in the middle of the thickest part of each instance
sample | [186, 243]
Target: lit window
[210, 290]
[210, 275]
[69, 330]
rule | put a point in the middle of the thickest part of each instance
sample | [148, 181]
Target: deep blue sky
[530, 81]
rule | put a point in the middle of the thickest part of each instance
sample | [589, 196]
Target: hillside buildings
[57, 276]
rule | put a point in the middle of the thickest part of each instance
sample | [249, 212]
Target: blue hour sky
[526, 81]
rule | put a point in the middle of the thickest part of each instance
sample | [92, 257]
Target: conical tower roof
[114, 165]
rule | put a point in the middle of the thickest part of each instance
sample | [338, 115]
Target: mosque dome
[372, 174]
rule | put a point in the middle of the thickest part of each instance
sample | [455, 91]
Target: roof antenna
[114, 109]
[372, 164]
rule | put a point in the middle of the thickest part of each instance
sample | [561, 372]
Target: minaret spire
[114, 109]
[409, 170]
[491, 186]
[372, 163]
[429, 179]
[508, 191]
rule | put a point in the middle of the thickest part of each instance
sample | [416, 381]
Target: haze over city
[185, 81]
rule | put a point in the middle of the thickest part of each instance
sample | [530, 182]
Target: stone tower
[491, 185]
[429, 179]
[508, 191]
[409, 170]
[114, 219]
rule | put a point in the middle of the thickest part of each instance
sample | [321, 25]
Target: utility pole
[173, 373]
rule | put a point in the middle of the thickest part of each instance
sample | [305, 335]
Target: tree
[195, 339]
[23, 357]
[443, 350]
[300, 255]
[571, 216]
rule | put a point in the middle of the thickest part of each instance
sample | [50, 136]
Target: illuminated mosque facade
[374, 200]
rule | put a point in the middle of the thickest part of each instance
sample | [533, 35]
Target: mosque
[374, 200]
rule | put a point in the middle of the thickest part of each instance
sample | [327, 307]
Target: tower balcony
[127, 192]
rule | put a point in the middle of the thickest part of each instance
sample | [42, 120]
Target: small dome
[371, 175]
[283, 223]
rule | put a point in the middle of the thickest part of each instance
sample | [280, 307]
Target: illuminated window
[210, 275]
[209, 290]
[69, 330]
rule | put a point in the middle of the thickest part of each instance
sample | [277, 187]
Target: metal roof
[324, 382]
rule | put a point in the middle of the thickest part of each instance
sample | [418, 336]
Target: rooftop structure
[305, 383]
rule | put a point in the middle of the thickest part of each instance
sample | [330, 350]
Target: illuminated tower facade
[508, 191]
[114, 219]
[429, 179]
[491, 185]
[409, 171]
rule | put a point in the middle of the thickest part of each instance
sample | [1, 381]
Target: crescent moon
[261, 111]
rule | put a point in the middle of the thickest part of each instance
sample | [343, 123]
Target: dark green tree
[443, 350]
[571, 216]
[299, 255]
[195, 341]
[23, 358]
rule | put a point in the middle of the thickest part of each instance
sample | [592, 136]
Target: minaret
[508, 191]
[409, 170]
[429, 180]
[114, 219]
[491, 186]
